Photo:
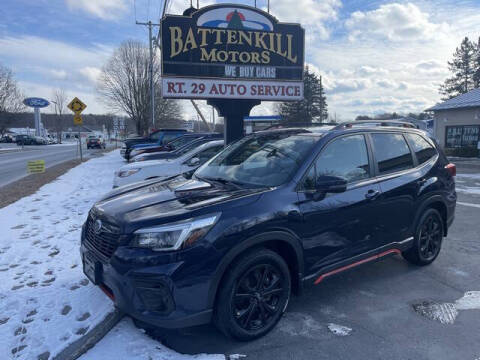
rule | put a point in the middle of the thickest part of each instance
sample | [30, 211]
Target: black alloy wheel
[257, 297]
[253, 295]
[428, 239]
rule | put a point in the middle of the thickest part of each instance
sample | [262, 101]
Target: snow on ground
[45, 300]
[446, 313]
[132, 343]
[339, 330]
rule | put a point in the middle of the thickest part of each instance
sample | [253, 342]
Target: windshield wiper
[222, 181]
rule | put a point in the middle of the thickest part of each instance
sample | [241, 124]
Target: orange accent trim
[107, 292]
[339, 270]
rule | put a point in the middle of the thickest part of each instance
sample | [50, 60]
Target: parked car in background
[161, 169]
[25, 140]
[162, 136]
[273, 212]
[39, 140]
[95, 142]
[172, 145]
[7, 139]
[174, 154]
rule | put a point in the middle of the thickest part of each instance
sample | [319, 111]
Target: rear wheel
[428, 239]
[253, 295]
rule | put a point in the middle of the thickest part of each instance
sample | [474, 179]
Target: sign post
[233, 56]
[77, 106]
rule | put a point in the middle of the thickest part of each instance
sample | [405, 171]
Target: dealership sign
[36, 102]
[232, 51]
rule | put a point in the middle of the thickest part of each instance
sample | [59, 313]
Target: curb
[86, 342]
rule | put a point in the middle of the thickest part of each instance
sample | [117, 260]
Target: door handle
[421, 182]
[372, 194]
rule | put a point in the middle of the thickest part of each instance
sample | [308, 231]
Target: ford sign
[36, 102]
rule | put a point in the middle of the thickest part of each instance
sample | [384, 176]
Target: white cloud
[43, 65]
[51, 53]
[104, 9]
[312, 14]
[394, 22]
[58, 74]
[91, 73]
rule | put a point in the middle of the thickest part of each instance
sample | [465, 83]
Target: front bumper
[154, 288]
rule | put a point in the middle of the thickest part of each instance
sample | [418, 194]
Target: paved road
[13, 164]
[376, 301]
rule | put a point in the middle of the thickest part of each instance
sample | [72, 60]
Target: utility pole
[213, 117]
[152, 85]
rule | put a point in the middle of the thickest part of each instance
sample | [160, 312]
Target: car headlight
[125, 173]
[175, 235]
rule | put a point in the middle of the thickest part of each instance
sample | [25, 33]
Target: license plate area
[92, 268]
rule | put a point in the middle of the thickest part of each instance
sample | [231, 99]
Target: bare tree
[59, 104]
[124, 85]
[10, 98]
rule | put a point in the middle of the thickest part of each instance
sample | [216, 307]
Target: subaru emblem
[97, 228]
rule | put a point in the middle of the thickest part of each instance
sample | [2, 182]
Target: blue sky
[374, 56]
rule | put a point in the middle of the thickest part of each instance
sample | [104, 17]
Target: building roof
[470, 99]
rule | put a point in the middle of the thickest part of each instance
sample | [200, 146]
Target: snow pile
[127, 342]
[45, 300]
[446, 313]
[339, 329]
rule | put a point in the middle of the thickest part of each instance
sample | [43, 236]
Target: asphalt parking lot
[374, 305]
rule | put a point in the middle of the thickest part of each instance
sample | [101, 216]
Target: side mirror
[331, 184]
[193, 161]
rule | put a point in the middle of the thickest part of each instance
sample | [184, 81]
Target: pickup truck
[161, 136]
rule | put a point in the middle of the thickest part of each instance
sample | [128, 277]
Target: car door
[398, 181]
[338, 226]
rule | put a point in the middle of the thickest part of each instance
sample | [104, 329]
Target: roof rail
[392, 123]
[298, 125]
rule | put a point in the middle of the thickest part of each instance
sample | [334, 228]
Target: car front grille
[103, 243]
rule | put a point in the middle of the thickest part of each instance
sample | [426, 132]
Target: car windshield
[190, 146]
[181, 141]
[260, 160]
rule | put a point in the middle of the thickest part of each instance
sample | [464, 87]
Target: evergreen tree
[313, 108]
[476, 75]
[463, 68]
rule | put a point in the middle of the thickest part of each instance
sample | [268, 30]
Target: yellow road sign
[77, 106]
[77, 119]
[36, 166]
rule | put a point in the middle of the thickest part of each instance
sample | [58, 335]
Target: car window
[208, 153]
[156, 135]
[391, 152]
[346, 157]
[422, 148]
[169, 137]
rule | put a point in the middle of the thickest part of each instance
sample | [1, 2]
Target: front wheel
[253, 295]
[428, 239]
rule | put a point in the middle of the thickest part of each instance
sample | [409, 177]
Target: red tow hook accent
[452, 169]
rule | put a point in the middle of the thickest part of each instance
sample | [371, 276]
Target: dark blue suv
[272, 212]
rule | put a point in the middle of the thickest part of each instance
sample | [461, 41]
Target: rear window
[391, 152]
[422, 148]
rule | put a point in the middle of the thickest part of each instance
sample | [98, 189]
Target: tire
[247, 307]
[428, 239]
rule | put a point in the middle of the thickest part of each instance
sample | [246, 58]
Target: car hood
[155, 202]
[144, 164]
